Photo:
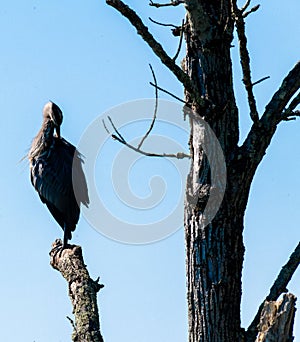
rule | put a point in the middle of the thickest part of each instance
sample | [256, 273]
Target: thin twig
[253, 9]
[105, 127]
[162, 24]
[72, 323]
[155, 110]
[115, 128]
[180, 42]
[172, 3]
[156, 47]
[245, 60]
[169, 93]
[243, 9]
[278, 287]
[290, 115]
[261, 80]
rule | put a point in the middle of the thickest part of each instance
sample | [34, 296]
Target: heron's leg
[65, 240]
[64, 245]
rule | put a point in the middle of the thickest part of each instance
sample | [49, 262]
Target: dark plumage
[53, 163]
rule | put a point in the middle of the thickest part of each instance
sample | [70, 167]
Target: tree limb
[156, 47]
[261, 132]
[279, 286]
[82, 291]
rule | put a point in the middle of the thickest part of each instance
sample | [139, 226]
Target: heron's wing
[79, 180]
[51, 175]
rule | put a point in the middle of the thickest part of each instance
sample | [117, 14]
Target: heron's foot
[58, 248]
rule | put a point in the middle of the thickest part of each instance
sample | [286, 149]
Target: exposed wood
[82, 291]
[279, 287]
[277, 320]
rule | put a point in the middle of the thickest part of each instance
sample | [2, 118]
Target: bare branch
[169, 93]
[180, 41]
[155, 110]
[156, 47]
[245, 60]
[120, 139]
[172, 3]
[261, 80]
[278, 287]
[179, 155]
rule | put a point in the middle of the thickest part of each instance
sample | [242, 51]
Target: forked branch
[119, 137]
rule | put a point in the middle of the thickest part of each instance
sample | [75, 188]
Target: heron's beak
[58, 131]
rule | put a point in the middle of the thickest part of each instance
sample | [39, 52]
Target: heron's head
[53, 113]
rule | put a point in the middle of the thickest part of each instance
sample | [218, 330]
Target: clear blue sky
[87, 58]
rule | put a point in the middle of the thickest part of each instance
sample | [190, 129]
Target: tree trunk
[214, 251]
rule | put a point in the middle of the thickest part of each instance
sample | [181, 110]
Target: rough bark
[214, 252]
[82, 291]
[277, 320]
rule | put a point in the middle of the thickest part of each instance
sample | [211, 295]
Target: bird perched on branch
[56, 172]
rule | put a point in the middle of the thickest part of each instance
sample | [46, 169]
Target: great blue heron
[56, 172]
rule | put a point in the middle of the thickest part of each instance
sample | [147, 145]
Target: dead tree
[215, 251]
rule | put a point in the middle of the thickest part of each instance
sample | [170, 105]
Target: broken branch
[279, 286]
[82, 291]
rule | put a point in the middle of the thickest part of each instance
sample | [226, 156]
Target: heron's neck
[43, 140]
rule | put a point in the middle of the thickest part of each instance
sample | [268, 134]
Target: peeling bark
[82, 291]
